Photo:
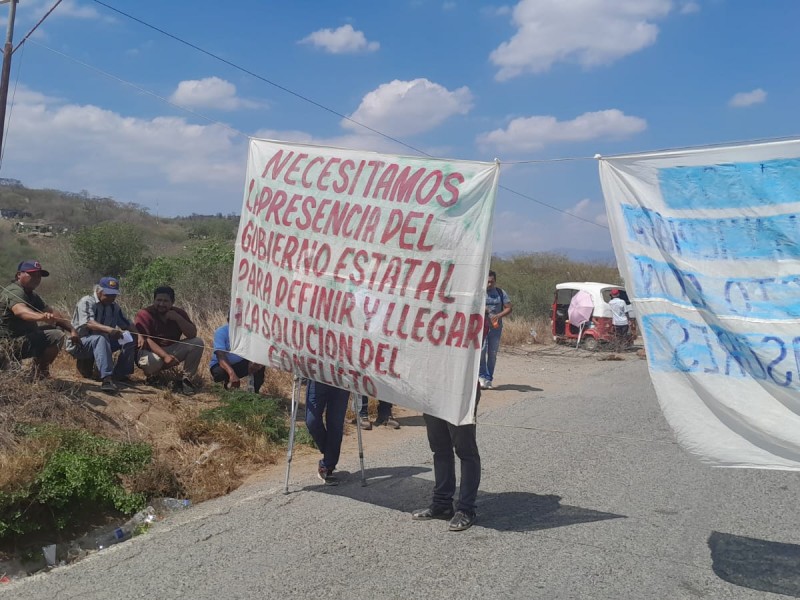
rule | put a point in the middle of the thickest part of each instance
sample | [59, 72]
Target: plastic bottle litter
[168, 505]
[126, 530]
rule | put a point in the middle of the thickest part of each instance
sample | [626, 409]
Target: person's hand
[169, 361]
[171, 315]
[115, 333]
[74, 336]
[140, 341]
[234, 382]
[49, 318]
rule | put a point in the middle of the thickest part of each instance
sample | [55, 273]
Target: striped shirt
[89, 308]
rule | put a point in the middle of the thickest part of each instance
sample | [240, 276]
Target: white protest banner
[708, 241]
[365, 271]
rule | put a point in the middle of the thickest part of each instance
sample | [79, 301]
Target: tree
[109, 248]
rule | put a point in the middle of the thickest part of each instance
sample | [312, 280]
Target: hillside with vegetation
[71, 457]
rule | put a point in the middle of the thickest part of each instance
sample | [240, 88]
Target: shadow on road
[756, 564]
[513, 387]
[397, 488]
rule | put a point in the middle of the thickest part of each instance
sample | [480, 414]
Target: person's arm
[233, 378]
[48, 315]
[113, 332]
[147, 342]
[186, 326]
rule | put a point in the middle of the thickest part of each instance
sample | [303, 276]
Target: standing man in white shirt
[619, 319]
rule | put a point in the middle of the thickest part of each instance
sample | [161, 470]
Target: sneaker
[482, 383]
[389, 422]
[108, 386]
[462, 520]
[432, 512]
[85, 367]
[365, 423]
[187, 387]
[326, 475]
[487, 385]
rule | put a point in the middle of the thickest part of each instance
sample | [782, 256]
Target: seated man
[101, 324]
[229, 368]
[162, 324]
[21, 311]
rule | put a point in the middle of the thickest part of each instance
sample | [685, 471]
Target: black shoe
[389, 422]
[462, 520]
[85, 367]
[432, 512]
[187, 388]
[326, 475]
[108, 387]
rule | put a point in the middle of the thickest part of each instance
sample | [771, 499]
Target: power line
[261, 78]
[326, 108]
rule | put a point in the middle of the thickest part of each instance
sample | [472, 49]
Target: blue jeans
[322, 399]
[443, 438]
[491, 344]
[102, 348]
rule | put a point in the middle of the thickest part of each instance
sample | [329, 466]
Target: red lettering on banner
[450, 188]
[424, 198]
[306, 183]
[344, 167]
[294, 169]
[326, 172]
[276, 164]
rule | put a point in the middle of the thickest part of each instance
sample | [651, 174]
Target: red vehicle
[598, 329]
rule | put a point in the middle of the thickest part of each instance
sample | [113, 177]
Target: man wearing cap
[619, 318]
[100, 322]
[21, 311]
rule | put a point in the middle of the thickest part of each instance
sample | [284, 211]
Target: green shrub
[82, 471]
[255, 413]
[109, 248]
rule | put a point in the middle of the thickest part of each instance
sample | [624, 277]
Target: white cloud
[409, 107]
[184, 167]
[689, 8]
[519, 232]
[745, 99]
[32, 10]
[586, 32]
[534, 133]
[344, 40]
[211, 92]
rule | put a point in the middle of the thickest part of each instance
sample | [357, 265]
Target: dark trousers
[322, 399]
[242, 370]
[443, 438]
[384, 409]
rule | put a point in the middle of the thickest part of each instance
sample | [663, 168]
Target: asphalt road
[584, 495]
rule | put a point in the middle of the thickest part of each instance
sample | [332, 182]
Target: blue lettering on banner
[730, 238]
[733, 185]
[678, 345]
[754, 297]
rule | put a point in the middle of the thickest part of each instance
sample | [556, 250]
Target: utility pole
[5, 74]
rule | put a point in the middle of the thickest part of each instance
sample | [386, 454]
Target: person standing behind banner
[443, 437]
[498, 305]
[384, 415]
[326, 401]
[229, 368]
[619, 319]
[162, 324]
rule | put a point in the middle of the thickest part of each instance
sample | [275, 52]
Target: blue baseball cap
[110, 285]
[32, 266]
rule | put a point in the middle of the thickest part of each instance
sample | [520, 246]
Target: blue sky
[528, 81]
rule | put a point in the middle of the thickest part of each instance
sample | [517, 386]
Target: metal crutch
[357, 410]
[292, 425]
